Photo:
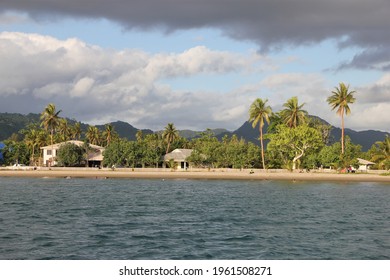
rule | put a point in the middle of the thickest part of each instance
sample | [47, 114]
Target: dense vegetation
[295, 140]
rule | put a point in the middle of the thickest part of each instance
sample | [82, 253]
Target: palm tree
[382, 153]
[76, 131]
[258, 112]
[109, 133]
[50, 119]
[293, 115]
[340, 99]
[30, 140]
[170, 134]
[93, 135]
[41, 140]
[139, 135]
[64, 130]
[34, 137]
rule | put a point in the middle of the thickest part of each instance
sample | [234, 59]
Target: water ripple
[192, 219]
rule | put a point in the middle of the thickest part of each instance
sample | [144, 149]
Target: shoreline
[216, 174]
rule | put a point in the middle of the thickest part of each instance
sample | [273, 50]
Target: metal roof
[365, 162]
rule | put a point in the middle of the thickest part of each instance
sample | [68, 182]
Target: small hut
[179, 156]
[364, 165]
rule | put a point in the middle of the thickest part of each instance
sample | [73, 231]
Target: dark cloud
[373, 58]
[269, 23]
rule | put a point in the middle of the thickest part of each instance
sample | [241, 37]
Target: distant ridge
[12, 123]
[364, 138]
[125, 130]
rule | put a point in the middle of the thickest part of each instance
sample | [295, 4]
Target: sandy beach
[220, 174]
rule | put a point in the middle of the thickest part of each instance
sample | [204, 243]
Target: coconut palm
[30, 140]
[341, 98]
[293, 115]
[382, 153]
[50, 120]
[170, 134]
[93, 135]
[64, 130]
[76, 131]
[258, 112]
[139, 135]
[34, 138]
[109, 133]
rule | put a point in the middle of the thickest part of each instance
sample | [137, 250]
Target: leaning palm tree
[50, 120]
[170, 134]
[341, 98]
[258, 112]
[293, 115]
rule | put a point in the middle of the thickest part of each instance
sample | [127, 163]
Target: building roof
[75, 142]
[178, 155]
[97, 156]
[365, 162]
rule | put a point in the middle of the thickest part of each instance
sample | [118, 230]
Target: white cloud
[94, 84]
[99, 85]
[371, 117]
[82, 87]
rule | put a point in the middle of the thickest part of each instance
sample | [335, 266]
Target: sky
[195, 63]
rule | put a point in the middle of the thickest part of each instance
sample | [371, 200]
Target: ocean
[139, 219]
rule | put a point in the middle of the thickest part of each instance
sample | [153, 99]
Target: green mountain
[364, 138]
[125, 130]
[12, 123]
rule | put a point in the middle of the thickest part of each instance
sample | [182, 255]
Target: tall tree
[292, 144]
[76, 131]
[258, 112]
[50, 120]
[293, 115]
[109, 133]
[93, 135]
[64, 130]
[381, 153]
[139, 135]
[170, 134]
[341, 98]
[34, 138]
[30, 139]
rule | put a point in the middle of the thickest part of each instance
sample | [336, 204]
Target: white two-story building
[95, 155]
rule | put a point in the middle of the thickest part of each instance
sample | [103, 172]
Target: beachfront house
[179, 157]
[364, 165]
[94, 158]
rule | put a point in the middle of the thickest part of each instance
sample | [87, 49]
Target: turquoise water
[192, 219]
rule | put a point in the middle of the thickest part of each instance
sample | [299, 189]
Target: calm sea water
[192, 219]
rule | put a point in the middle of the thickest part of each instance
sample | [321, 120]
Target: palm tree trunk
[342, 131]
[32, 156]
[52, 146]
[168, 147]
[262, 147]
